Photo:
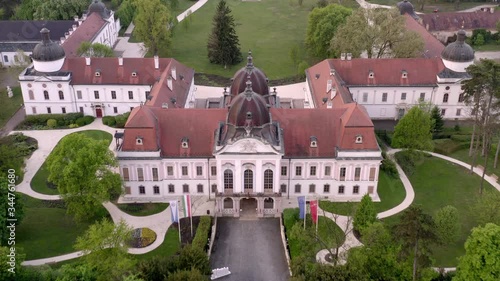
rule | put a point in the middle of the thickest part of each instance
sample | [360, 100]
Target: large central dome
[48, 56]
[458, 55]
[256, 76]
[248, 109]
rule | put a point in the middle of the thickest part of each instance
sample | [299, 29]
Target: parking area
[252, 249]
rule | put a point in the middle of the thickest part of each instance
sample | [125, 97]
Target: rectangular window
[61, 95]
[422, 97]
[127, 190]
[312, 188]
[313, 171]
[357, 173]
[297, 188]
[384, 97]
[142, 190]
[326, 188]
[214, 188]
[328, 171]
[115, 109]
[185, 188]
[365, 97]
[199, 188]
[403, 96]
[342, 173]
[443, 112]
[49, 110]
[156, 189]
[284, 170]
[341, 189]
[283, 188]
[184, 170]
[96, 95]
[459, 112]
[81, 109]
[461, 98]
[140, 174]
[130, 95]
[125, 174]
[355, 189]
[372, 173]
[33, 109]
[199, 170]
[46, 95]
[154, 171]
[445, 98]
[171, 188]
[213, 170]
[298, 171]
[63, 109]
[113, 95]
[31, 95]
[170, 170]
[79, 94]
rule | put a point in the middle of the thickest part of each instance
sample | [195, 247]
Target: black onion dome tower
[406, 7]
[248, 109]
[48, 56]
[458, 55]
[98, 7]
[257, 77]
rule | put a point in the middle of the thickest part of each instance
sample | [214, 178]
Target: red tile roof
[85, 32]
[454, 21]
[318, 77]
[433, 47]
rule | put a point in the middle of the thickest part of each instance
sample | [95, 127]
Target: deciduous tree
[187, 275]
[94, 50]
[58, 9]
[223, 43]
[322, 26]
[379, 32]
[153, 24]
[365, 214]
[486, 209]
[413, 131]
[126, 12]
[81, 168]
[447, 224]
[481, 260]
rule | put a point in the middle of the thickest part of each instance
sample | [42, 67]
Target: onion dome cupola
[257, 77]
[98, 7]
[457, 56]
[249, 109]
[48, 56]
[406, 7]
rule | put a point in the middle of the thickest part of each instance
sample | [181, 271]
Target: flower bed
[142, 237]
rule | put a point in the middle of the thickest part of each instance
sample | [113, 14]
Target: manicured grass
[325, 228]
[47, 230]
[169, 246]
[142, 209]
[390, 190]
[9, 105]
[438, 183]
[463, 155]
[183, 6]
[269, 28]
[429, 7]
[487, 48]
[39, 181]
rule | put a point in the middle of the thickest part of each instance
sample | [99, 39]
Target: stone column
[260, 207]
[236, 207]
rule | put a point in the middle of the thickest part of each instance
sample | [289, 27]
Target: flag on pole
[302, 207]
[187, 206]
[174, 211]
[314, 211]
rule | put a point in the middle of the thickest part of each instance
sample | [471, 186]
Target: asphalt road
[252, 249]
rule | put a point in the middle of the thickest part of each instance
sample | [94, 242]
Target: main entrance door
[98, 112]
[248, 208]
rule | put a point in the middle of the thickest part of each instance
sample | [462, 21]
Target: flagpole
[179, 223]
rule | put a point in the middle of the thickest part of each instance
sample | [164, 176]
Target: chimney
[87, 60]
[157, 62]
[84, 17]
[120, 61]
[329, 104]
[70, 31]
[169, 83]
[333, 93]
[74, 27]
[174, 73]
[492, 10]
[75, 18]
[342, 56]
[349, 56]
[80, 22]
[62, 40]
[66, 34]
[328, 85]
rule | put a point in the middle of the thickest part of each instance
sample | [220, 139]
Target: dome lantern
[48, 56]
[457, 56]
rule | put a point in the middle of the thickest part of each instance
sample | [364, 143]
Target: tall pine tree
[223, 44]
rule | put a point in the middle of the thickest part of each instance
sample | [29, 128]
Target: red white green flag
[187, 206]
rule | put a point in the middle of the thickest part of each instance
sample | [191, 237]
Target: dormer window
[138, 140]
[97, 73]
[185, 142]
[404, 74]
[134, 74]
[314, 141]
[371, 74]
[359, 139]
[249, 115]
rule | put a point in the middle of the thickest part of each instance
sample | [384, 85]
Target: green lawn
[169, 246]
[142, 209]
[39, 181]
[9, 105]
[269, 28]
[390, 190]
[487, 48]
[438, 183]
[47, 230]
[429, 7]
[463, 155]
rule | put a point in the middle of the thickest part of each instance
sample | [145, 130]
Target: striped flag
[187, 206]
[302, 207]
[314, 210]
[174, 211]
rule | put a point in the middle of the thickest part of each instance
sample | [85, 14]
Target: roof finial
[461, 36]
[45, 35]
[248, 90]
[249, 59]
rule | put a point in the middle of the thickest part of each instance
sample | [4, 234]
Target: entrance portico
[258, 205]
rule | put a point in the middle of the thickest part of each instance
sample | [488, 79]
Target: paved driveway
[252, 249]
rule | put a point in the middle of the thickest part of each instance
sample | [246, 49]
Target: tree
[416, 232]
[187, 275]
[365, 214]
[126, 12]
[106, 247]
[152, 24]
[10, 208]
[322, 25]
[94, 50]
[380, 32]
[437, 119]
[81, 168]
[486, 209]
[223, 43]
[9, 268]
[413, 131]
[58, 9]
[481, 260]
[447, 224]
[81, 271]
[479, 40]
[190, 257]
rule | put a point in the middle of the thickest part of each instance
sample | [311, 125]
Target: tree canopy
[50, 9]
[380, 32]
[413, 131]
[153, 23]
[447, 224]
[11, 207]
[94, 50]
[81, 168]
[322, 25]
[365, 214]
[126, 12]
[223, 43]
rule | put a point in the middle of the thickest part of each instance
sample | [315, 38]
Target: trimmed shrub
[448, 146]
[200, 240]
[88, 119]
[408, 159]
[36, 122]
[461, 138]
[80, 122]
[106, 120]
[71, 126]
[389, 167]
[52, 123]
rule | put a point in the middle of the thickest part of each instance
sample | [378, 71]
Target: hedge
[117, 121]
[408, 160]
[200, 240]
[449, 146]
[41, 121]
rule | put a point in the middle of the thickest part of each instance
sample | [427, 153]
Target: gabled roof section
[432, 46]
[356, 116]
[29, 30]
[85, 32]
[322, 82]
[141, 117]
[355, 122]
[454, 21]
[141, 124]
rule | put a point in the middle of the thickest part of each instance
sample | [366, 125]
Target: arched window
[228, 203]
[46, 95]
[268, 203]
[268, 179]
[248, 179]
[445, 97]
[228, 179]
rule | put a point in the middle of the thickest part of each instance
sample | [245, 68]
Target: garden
[54, 121]
[117, 121]
[142, 209]
[14, 149]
